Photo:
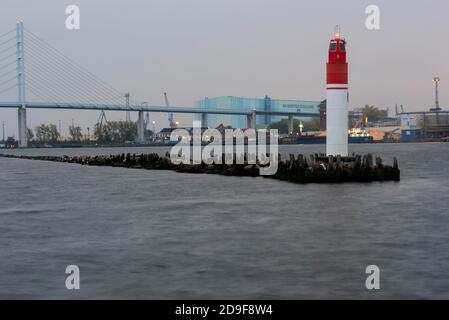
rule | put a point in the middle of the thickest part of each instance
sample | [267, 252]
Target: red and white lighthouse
[337, 97]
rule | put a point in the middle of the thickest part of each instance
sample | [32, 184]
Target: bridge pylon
[21, 114]
[204, 118]
[141, 127]
[251, 120]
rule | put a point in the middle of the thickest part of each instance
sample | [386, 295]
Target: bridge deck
[112, 107]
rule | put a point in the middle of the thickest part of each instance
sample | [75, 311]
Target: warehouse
[427, 124]
[263, 104]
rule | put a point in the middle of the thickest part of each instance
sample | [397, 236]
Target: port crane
[396, 109]
[101, 119]
[171, 122]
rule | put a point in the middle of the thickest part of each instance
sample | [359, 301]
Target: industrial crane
[101, 119]
[396, 109]
[171, 122]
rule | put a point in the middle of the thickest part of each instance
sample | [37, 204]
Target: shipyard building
[427, 124]
[265, 104]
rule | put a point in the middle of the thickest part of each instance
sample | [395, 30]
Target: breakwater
[317, 168]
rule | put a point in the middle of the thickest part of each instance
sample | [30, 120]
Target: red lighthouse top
[337, 66]
[337, 49]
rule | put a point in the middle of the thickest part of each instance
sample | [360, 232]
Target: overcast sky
[198, 48]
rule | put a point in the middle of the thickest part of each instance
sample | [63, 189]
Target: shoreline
[124, 145]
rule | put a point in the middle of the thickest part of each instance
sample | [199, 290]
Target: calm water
[156, 234]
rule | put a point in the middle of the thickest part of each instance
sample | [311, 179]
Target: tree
[53, 132]
[41, 133]
[312, 125]
[75, 133]
[282, 126]
[116, 131]
[47, 133]
[148, 134]
[30, 134]
[373, 114]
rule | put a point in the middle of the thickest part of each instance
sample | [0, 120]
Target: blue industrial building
[265, 104]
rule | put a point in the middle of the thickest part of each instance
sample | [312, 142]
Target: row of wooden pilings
[316, 168]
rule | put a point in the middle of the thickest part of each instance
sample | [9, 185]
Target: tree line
[282, 125]
[369, 112]
[110, 132]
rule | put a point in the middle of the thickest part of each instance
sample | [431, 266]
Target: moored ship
[355, 135]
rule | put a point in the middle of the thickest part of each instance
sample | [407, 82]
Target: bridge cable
[35, 87]
[5, 42]
[40, 82]
[6, 73]
[9, 48]
[8, 64]
[6, 57]
[88, 84]
[9, 80]
[46, 46]
[8, 32]
[43, 82]
[57, 73]
[7, 89]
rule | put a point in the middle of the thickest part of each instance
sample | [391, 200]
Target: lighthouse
[337, 97]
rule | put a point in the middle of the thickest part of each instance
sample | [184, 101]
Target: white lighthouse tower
[337, 98]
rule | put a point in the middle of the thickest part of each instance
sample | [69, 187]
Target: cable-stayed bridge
[45, 78]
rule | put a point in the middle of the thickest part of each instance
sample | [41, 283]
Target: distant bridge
[144, 108]
[54, 79]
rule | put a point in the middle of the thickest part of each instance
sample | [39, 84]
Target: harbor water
[160, 234]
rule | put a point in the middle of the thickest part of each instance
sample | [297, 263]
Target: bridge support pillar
[290, 124]
[22, 112]
[251, 120]
[22, 117]
[204, 123]
[141, 127]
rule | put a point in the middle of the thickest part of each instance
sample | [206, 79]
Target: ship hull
[322, 139]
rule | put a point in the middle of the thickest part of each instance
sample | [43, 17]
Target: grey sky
[198, 48]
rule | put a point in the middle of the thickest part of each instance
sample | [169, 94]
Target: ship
[355, 135]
